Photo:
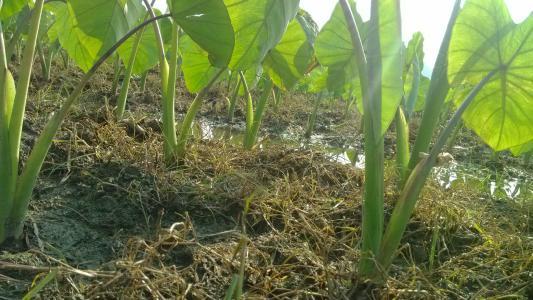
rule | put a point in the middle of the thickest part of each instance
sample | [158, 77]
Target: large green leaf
[197, 69]
[486, 39]
[258, 25]
[333, 45]
[390, 57]
[11, 7]
[83, 49]
[287, 63]
[147, 53]
[105, 20]
[208, 24]
[415, 49]
[334, 50]
[87, 29]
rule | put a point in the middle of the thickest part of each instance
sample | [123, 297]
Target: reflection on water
[346, 157]
[446, 175]
[504, 186]
[508, 186]
[208, 130]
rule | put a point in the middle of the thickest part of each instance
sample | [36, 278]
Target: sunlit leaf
[105, 20]
[208, 24]
[389, 49]
[197, 69]
[486, 39]
[290, 59]
[258, 25]
[415, 49]
[147, 53]
[82, 48]
[11, 7]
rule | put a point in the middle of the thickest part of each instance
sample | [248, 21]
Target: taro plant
[79, 28]
[12, 106]
[139, 54]
[247, 35]
[482, 49]
[16, 185]
[315, 84]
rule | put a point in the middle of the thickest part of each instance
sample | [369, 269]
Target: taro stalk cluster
[263, 48]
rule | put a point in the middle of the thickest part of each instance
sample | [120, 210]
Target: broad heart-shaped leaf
[335, 51]
[415, 49]
[258, 25]
[290, 59]
[82, 48]
[11, 7]
[197, 69]
[389, 49]
[147, 53]
[105, 20]
[486, 39]
[208, 24]
[333, 45]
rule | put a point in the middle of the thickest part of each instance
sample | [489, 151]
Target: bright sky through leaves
[427, 16]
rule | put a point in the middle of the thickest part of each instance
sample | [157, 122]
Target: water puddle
[502, 185]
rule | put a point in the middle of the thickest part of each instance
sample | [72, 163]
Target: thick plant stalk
[45, 67]
[251, 136]
[349, 103]
[186, 126]
[402, 145]
[277, 94]
[123, 96]
[233, 100]
[454, 137]
[373, 216]
[23, 83]
[7, 174]
[169, 125]
[65, 58]
[117, 70]
[26, 181]
[436, 95]
[143, 81]
[169, 115]
[13, 119]
[249, 106]
[49, 60]
[404, 207]
[312, 118]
